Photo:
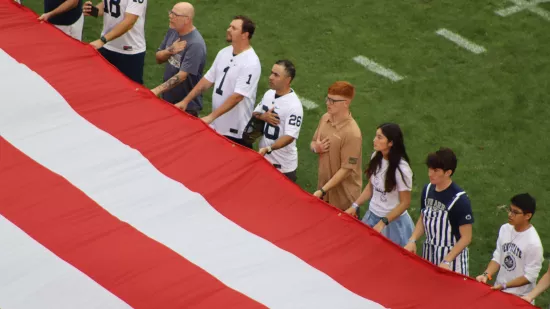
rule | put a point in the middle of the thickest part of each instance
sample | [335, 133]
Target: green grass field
[490, 108]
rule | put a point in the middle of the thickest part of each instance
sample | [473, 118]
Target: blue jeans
[399, 230]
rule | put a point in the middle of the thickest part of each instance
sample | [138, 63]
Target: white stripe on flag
[43, 126]
[33, 277]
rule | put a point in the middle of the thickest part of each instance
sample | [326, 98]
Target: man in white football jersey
[518, 256]
[282, 112]
[234, 74]
[122, 40]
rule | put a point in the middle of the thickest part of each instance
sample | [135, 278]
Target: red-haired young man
[338, 141]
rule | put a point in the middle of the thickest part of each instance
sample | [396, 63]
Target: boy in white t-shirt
[518, 256]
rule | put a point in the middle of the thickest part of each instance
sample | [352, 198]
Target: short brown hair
[248, 25]
[342, 88]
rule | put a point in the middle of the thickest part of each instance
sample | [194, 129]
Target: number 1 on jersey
[219, 89]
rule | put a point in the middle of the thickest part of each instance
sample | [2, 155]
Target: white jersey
[290, 112]
[518, 254]
[133, 41]
[382, 202]
[234, 74]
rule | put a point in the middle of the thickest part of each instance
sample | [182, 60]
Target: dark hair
[444, 159]
[248, 25]
[525, 202]
[397, 152]
[289, 68]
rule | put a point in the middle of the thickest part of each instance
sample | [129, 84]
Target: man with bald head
[184, 50]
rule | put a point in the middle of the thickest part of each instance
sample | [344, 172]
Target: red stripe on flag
[139, 270]
[239, 184]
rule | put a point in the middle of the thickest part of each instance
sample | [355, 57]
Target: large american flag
[111, 198]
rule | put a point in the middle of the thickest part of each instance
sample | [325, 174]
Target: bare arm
[162, 56]
[171, 83]
[465, 240]
[198, 89]
[340, 175]
[124, 26]
[404, 203]
[229, 103]
[282, 142]
[519, 281]
[365, 195]
[542, 286]
[492, 268]
[417, 233]
[418, 229]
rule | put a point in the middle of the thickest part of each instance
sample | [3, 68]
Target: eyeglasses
[177, 15]
[331, 101]
[514, 212]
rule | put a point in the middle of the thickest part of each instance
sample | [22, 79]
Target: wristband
[446, 262]
[354, 205]
[486, 274]
[322, 192]
[269, 150]
[103, 39]
[412, 241]
[503, 286]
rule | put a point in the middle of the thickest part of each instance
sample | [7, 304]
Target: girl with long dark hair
[389, 187]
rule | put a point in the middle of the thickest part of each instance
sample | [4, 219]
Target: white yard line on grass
[308, 104]
[461, 41]
[377, 68]
[521, 5]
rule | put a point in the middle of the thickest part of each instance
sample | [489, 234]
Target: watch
[269, 150]
[385, 220]
[103, 39]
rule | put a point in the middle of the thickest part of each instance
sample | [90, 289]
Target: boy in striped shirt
[446, 216]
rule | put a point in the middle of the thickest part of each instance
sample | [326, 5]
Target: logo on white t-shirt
[509, 262]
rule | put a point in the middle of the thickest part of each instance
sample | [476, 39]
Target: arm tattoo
[169, 84]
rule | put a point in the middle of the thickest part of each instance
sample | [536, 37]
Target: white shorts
[74, 30]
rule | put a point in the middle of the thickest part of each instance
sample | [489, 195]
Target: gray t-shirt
[191, 60]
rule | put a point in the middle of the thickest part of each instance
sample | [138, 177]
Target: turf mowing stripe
[461, 41]
[377, 68]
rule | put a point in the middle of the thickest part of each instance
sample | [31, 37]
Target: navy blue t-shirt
[63, 19]
[460, 214]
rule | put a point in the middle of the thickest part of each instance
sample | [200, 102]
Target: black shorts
[291, 175]
[239, 141]
[129, 65]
